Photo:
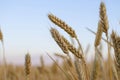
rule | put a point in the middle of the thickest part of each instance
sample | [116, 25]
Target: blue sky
[25, 24]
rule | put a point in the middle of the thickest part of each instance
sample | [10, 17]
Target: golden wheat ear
[57, 37]
[98, 35]
[27, 66]
[62, 25]
[71, 48]
[103, 17]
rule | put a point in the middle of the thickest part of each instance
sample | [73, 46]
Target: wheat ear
[98, 35]
[105, 26]
[27, 66]
[103, 17]
[62, 25]
[71, 48]
[57, 37]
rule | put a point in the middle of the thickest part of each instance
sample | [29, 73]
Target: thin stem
[4, 58]
[76, 63]
[102, 37]
[80, 47]
[77, 68]
[83, 61]
[73, 75]
[60, 68]
[109, 58]
[4, 61]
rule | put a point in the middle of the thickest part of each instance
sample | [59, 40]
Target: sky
[25, 24]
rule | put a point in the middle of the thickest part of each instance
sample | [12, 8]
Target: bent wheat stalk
[4, 58]
[105, 27]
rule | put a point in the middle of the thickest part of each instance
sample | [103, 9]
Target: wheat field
[74, 65]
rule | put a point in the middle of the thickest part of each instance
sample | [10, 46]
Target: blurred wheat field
[74, 65]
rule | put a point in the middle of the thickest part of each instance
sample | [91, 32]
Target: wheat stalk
[4, 58]
[42, 62]
[84, 72]
[97, 66]
[67, 75]
[105, 26]
[115, 75]
[116, 44]
[27, 66]
[60, 55]
[102, 27]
